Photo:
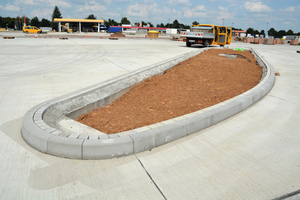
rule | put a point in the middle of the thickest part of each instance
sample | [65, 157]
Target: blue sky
[280, 14]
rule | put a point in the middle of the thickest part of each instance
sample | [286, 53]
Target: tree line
[271, 32]
[15, 22]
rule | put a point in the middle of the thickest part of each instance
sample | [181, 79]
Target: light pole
[267, 30]
[223, 22]
[21, 20]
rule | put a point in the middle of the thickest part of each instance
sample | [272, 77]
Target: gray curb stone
[41, 128]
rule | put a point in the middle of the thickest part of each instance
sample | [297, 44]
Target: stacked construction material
[153, 34]
[260, 40]
[268, 41]
[294, 42]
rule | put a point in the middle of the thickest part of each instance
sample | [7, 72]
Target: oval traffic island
[51, 127]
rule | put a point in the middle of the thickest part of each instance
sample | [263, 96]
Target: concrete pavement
[253, 155]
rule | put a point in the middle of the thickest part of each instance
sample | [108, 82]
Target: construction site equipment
[8, 37]
[153, 34]
[207, 34]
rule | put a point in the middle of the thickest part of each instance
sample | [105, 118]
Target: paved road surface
[253, 155]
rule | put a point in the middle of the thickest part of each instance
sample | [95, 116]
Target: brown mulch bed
[197, 83]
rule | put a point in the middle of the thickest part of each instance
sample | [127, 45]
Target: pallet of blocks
[294, 42]
[268, 41]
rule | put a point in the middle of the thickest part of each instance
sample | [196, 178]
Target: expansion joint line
[103, 58]
[151, 177]
[287, 195]
[116, 65]
[284, 100]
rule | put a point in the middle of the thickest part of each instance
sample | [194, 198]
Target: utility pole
[21, 20]
[267, 29]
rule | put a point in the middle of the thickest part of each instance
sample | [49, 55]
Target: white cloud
[144, 10]
[189, 13]
[42, 13]
[10, 7]
[29, 2]
[91, 6]
[49, 3]
[200, 8]
[138, 10]
[260, 15]
[289, 9]
[112, 15]
[256, 7]
[175, 2]
[222, 8]
[57, 3]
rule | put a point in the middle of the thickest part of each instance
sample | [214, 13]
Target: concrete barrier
[50, 127]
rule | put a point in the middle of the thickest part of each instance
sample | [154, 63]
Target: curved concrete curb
[49, 127]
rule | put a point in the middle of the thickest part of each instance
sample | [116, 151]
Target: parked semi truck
[207, 34]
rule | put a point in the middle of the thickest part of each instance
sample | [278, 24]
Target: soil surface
[202, 81]
[117, 34]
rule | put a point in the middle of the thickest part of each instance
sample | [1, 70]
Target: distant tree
[45, 23]
[250, 31]
[255, 32]
[272, 32]
[175, 24]
[35, 21]
[238, 29]
[262, 32]
[150, 24]
[281, 33]
[186, 27]
[56, 14]
[10, 22]
[124, 20]
[195, 23]
[143, 23]
[91, 16]
[111, 22]
[161, 25]
[290, 32]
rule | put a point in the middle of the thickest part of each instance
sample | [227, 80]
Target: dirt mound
[192, 85]
[117, 34]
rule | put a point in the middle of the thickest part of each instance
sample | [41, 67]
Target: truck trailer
[114, 29]
[207, 34]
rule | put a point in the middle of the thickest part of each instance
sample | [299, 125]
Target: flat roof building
[78, 24]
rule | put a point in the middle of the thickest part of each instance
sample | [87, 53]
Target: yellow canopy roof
[56, 20]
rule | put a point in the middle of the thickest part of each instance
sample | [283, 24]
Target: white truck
[207, 34]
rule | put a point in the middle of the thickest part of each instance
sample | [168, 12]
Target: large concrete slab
[254, 155]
